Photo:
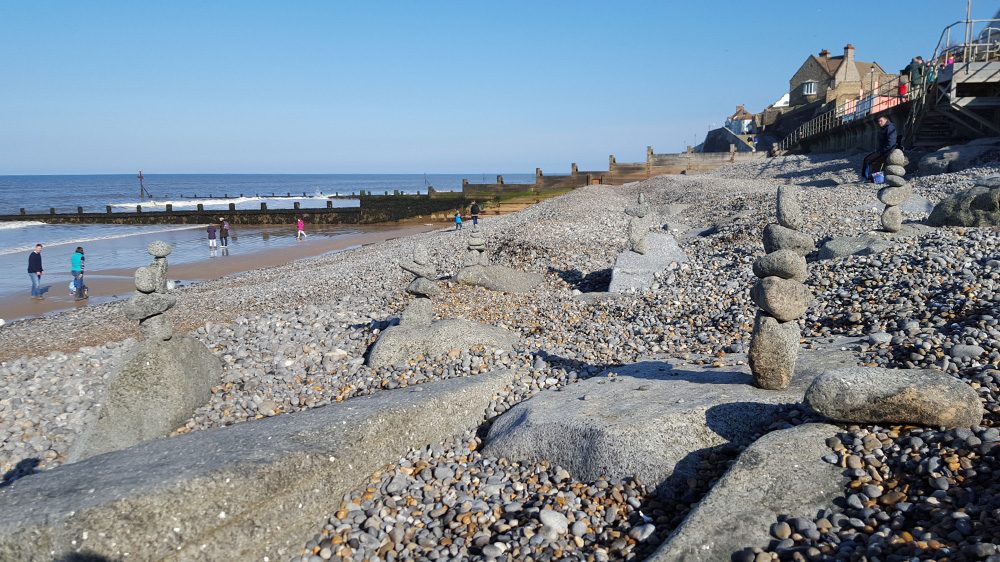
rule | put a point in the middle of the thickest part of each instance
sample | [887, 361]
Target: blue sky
[408, 87]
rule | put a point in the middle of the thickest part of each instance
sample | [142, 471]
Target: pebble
[289, 344]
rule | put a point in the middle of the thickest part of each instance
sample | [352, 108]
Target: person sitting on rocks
[886, 143]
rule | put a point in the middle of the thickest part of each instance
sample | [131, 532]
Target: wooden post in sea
[142, 190]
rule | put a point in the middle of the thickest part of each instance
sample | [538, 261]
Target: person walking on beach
[474, 211]
[77, 263]
[886, 144]
[211, 236]
[302, 231]
[35, 272]
[458, 220]
[224, 233]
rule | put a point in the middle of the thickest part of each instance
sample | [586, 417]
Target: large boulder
[653, 420]
[499, 278]
[401, 343]
[976, 206]
[961, 157]
[256, 490]
[156, 390]
[779, 474]
[638, 271]
[895, 396]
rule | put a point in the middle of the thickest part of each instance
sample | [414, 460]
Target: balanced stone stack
[780, 294]
[161, 381]
[477, 248]
[151, 300]
[420, 313]
[638, 225]
[476, 270]
[896, 191]
[418, 334]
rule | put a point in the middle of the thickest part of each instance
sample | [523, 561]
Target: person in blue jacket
[887, 139]
[76, 268]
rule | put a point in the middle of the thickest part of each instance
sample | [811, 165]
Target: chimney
[739, 110]
[849, 54]
[824, 54]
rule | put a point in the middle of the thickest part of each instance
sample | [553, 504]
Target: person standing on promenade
[886, 144]
[35, 272]
[474, 211]
[77, 263]
[224, 233]
[211, 237]
[302, 231]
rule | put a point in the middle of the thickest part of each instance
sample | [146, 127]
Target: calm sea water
[37, 194]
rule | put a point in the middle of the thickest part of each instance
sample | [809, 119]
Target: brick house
[838, 79]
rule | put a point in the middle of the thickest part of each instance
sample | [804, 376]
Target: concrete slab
[780, 473]
[252, 491]
[636, 271]
[655, 420]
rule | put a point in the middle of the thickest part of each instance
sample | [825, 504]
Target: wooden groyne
[372, 209]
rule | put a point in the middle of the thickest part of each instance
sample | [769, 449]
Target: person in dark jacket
[474, 211]
[915, 74]
[887, 139]
[35, 272]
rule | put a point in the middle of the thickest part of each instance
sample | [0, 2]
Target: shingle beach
[293, 337]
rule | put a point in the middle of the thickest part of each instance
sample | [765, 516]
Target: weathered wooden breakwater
[371, 209]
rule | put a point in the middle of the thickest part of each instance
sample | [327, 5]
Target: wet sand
[115, 284]
[191, 261]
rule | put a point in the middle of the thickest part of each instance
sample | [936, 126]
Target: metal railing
[882, 95]
[984, 47]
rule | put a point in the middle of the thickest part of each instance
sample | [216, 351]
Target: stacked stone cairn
[780, 294]
[151, 300]
[477, 248]
[476, 269]
[418, 334]
[638, 225]
[896, 191]
[161, 381]
[420, 312]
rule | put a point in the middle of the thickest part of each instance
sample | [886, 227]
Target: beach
[292, 334]
[191, 262]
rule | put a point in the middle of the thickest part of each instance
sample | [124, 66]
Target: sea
[94, 193]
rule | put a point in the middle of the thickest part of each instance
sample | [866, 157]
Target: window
[809, 88]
